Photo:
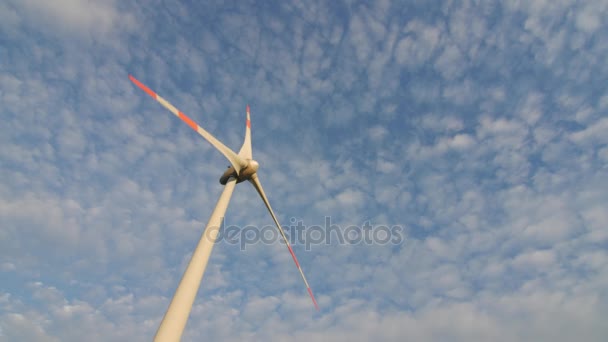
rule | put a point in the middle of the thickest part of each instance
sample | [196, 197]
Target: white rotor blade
[232, 157]
[245, 151]
[258, 186]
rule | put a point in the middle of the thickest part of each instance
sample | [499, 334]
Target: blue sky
[479, 127]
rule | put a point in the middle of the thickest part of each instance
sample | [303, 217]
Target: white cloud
[538, 260]
[588, 19]
[461, 141]
[594, 133]
[531, 109]
[441, 123]
[377, 133]
[418, 45]
[450, 63]
[76, 17]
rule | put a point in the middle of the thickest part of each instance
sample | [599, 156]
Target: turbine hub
[249, 170]
[253, 165]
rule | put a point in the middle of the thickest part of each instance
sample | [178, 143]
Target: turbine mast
[174, 322]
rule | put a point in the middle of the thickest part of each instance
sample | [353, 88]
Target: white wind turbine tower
[243, 168]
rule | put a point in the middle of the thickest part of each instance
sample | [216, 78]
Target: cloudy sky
[479, 127]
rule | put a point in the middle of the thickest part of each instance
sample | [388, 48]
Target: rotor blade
[232, 157]
[245, 151]
[258, 186]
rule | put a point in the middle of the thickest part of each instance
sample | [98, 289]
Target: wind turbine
[243, 168]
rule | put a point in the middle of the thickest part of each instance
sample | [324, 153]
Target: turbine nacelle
[245, 174]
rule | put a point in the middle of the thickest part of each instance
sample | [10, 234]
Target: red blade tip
[142, 86]
[313, 298]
